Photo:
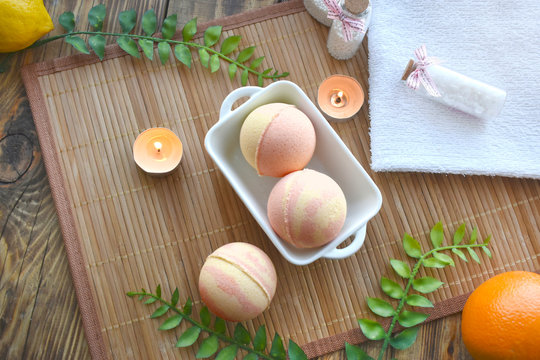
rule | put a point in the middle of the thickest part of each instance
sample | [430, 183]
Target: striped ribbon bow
[420, 75]
[335, 12]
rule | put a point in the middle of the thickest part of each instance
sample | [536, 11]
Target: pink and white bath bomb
[277, 139]
[307, 208]
[237, 281]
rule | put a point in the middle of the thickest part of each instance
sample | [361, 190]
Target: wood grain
[127, 228]
[38, 310]
[39, 315]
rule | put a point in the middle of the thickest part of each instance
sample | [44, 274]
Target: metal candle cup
[157, 151]
[340, 97]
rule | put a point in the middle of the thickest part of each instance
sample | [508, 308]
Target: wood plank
[39, 316]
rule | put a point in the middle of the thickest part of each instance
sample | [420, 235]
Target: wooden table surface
[39, 317]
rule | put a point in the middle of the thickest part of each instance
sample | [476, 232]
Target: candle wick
[158, 146]
[338, 98]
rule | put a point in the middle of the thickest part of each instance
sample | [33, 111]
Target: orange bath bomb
[277, 139]
[307, 209]
[237, 281]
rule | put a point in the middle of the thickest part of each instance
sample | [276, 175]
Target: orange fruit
[501, 318]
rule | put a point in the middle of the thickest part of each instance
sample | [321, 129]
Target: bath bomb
[277, 139]
[237, 281]
[307, 208]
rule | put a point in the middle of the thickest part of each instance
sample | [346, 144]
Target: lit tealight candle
[340, 97]
[157, 151]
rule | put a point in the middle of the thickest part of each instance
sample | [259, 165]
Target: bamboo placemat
[124, 230]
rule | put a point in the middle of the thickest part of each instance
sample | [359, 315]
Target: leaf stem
[414, 271]
[170, 41]
[194, 322]
[450, 247]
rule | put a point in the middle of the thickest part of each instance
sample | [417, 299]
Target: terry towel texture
[493, 41]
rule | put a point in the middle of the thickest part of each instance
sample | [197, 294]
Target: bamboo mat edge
[334, 343]
[66, 219]
[355, 336]
[114, 51]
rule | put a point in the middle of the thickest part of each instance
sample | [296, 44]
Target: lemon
[22, 22]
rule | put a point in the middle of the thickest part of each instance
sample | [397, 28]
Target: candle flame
[158, 146]
[338, 98]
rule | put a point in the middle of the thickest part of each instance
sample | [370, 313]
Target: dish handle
[350, 249]
[246, 91]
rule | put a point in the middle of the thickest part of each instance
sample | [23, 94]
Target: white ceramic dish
[331, 157]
